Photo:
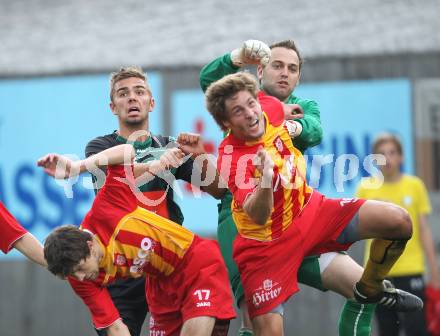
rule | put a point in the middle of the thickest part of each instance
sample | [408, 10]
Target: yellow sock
[383, 255]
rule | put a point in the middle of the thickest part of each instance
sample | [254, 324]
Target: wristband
[292, 126]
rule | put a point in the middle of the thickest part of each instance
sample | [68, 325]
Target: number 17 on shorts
[202, 297]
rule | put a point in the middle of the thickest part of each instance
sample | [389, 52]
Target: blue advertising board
[62, 114]
[57, 114]
[352, 114]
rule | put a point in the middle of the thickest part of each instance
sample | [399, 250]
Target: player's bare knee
[198, 326]
[267, 330]
[400, 223]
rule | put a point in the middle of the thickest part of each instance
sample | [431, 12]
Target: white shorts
[325, 259]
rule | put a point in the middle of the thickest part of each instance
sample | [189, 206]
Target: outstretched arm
[118, 328]
[103, 311]
[31, 248]
[61, 167]
[14, 235]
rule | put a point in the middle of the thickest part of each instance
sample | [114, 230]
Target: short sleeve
[423, 203]
[99, 144]
[10, 229]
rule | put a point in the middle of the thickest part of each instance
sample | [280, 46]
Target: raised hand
[191, 143]
[264, 164]
[58, 166]
[251, 52]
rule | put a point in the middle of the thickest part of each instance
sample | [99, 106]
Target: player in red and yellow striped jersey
[187, 286]
[289, 167]
[281, 220]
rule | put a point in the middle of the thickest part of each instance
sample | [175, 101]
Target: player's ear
[152, 104]
[90, 244]
[113, 108]
[260, 72]
[226, 124]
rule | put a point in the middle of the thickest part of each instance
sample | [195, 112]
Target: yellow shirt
[409, 193]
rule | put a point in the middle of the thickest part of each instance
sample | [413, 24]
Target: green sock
[245, 332]
[355, 319]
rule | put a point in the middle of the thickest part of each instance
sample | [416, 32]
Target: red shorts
[198, 287]
[10, 229]
[269, 269]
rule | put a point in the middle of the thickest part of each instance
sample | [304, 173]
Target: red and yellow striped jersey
[290, 189]
[137, 242]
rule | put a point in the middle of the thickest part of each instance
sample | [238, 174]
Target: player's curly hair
[124, 73]
[64, 249]
[219, 91]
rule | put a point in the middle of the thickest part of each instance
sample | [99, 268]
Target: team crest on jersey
[278, 143]
[120, 260]
[267, 284]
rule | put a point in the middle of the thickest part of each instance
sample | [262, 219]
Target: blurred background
[372, 66]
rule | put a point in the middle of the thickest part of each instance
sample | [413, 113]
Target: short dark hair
[384, 138]
[219, 91]
[288, 44]
[64, 249]
[124, 73]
